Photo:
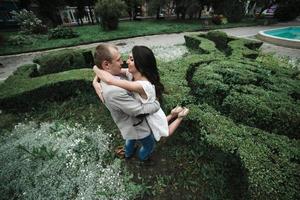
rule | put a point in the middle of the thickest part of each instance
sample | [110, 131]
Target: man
[123, 107]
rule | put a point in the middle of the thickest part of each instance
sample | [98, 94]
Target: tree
[287, 10]
[156, 6]
[234, 10]
[132, 8]
[181, 7]
[80, 11]
[49, 11]
[109, 11]
[193, 8]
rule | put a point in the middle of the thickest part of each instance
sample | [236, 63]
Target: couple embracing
[132, 96]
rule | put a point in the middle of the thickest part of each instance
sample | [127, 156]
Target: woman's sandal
[183, 113]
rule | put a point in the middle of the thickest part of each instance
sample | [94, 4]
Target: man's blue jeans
[146, 149]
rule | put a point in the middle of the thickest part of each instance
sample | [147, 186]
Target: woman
[144, 81]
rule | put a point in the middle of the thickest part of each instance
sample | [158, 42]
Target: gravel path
[165, 43]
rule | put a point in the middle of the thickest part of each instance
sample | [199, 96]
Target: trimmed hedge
[62, 32]
[259, 93]
[201, 44]
[21, 92]
[269, 163]
[63, 60]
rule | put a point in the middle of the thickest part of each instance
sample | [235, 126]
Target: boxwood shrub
[63, 60]
[219, 38]
[216, 91]
[270, 162]
[62, 32]
[22, 92]
[257, 92]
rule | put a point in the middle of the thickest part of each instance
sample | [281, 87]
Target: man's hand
[98, 88]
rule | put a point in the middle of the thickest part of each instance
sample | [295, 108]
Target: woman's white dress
[158, 120]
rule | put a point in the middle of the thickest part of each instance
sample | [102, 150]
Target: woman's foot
[183, 113]
[175, 111]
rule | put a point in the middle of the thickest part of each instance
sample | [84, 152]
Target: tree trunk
[157, 13]
[91, 14]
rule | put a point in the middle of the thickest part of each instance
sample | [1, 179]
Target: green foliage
[244, 48]
[201, 45]
[264, 165]
[59, 161]
[287, 10]
[260, 94]
[28, 22]
[127, 29]
[216, 147]
[234, 10]
[19, 40]
[109, 11]
[62, 32]
[219, 38]
[59, 61]
[269, 161]
[41, 152]
[22, 92]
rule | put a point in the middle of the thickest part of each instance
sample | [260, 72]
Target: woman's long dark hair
[145, 63]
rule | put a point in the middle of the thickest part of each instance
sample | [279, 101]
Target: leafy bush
[234, 10]
[266, 165]
[59, 161]
[259, 94]
[244, 48]
[109, 11]
[28, 22]
[60, 61]
[202, 45]
[19, 40]
[270, 162]
[62, 32]
[21, 91]
[262, 165]
[219, 38]
[216, 19]
[287, 10]
[250, 96]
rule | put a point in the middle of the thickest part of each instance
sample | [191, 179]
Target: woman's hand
[98, 88]
[103, 75]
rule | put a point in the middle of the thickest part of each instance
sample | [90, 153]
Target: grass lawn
[127, 29]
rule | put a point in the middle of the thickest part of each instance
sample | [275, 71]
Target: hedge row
[262, 94]
[21, 91]
[64, 60]
[269, 163]
[218, 43]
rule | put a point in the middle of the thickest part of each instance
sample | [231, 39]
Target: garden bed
[229, 147]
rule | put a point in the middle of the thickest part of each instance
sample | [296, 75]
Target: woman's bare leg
[174, 125]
